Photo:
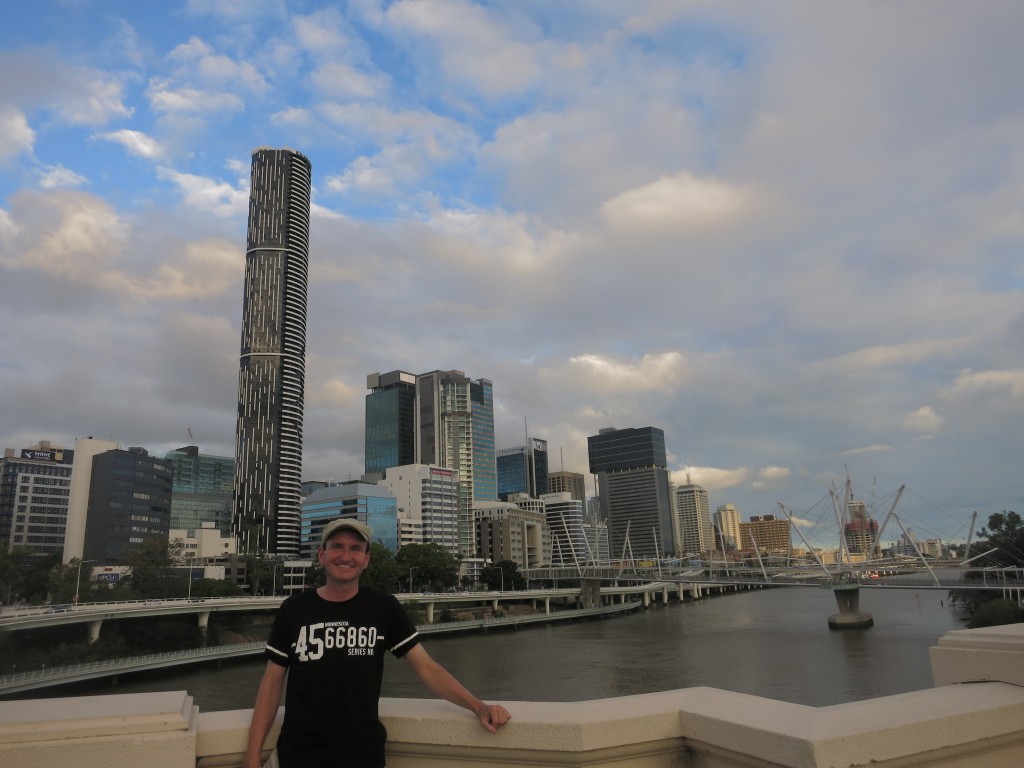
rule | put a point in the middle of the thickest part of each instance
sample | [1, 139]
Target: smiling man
[331, 643]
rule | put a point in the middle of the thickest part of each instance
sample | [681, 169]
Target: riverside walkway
[41, 678]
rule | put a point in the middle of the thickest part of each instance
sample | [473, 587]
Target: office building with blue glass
[390, 433]
[452, 427]
[523, 469]
[202, 490]
[369, 503]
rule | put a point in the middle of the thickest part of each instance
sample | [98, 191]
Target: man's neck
[338, 593]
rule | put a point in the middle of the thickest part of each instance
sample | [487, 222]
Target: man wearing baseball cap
[331, 643]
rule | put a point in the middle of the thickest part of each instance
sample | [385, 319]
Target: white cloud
[164, 98]
[136, 142]
[337, 80]
[924, 420]
[95, 99]
[200, 64]
[607, 375]
[59, 176]
[876, 448]
[472, 45]
[16, 136]
[995, 383]
[66, 234]
[209, 268]
[80, 239]
[680, 203]
[712, 479]
[216, 197]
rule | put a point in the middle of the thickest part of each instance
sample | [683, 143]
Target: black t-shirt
[335, 658]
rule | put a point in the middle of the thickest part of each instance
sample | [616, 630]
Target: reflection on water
[772, 643]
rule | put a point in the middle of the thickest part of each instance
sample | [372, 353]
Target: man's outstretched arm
[440, 681]
[268, 700]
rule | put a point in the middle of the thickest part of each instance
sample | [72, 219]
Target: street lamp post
[78, 579]
[410, 579]
[273, 580]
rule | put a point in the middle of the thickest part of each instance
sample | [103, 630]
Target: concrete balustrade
[954, 725]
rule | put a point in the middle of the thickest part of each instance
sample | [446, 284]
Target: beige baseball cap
[349, 523]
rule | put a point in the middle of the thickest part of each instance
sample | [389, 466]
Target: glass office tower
[389, 440]
[633, 487]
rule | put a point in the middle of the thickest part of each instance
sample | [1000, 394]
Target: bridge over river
[602, 590]
[41, 678]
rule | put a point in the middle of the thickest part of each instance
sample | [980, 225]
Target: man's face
[345, 556]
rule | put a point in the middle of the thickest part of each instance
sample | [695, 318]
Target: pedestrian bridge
[52, 676]
[94, 614]
[601, 584]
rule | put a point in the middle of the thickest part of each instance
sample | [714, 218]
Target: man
[331, 643]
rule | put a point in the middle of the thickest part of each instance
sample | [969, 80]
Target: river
[773, 643]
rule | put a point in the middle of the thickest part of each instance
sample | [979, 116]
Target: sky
[788, 234]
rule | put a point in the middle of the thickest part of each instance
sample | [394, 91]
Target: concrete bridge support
[94, 630]
[850, 616]
[590, 594]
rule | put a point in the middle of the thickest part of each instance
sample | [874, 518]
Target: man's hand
[493, 716]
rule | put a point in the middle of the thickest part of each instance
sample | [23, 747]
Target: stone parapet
[951, 726]
[974, 655]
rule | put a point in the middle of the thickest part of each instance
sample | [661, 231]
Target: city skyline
[789, 239]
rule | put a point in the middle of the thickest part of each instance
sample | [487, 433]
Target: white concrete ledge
[980, 725]
[134, 729]
[972, 655]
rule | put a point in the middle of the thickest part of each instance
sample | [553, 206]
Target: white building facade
[428, 504]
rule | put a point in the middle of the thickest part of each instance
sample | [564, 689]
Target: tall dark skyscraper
[633, 486]
[271, 379]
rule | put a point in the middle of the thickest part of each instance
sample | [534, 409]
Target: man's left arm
[440, 681]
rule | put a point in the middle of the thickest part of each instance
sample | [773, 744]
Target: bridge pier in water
[850, 615]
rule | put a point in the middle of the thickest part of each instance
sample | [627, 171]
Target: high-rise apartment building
[572, 483]
[768, 533]
[696, 535]
[271, 382]
[727, 521]
[633, 487]
[523, 469]
[34, 493]
[202, 490]
[860, 529]
[452, 427]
